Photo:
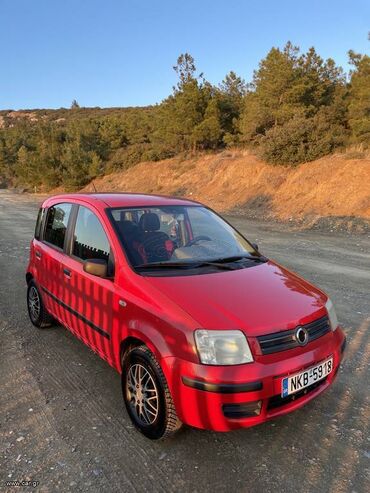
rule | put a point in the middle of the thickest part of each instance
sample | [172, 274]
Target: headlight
[222, 347]
[331, 314]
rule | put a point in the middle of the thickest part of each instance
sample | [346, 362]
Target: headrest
[149, 222]
[126, 227]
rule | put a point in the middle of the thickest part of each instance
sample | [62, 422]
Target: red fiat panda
[204, 329]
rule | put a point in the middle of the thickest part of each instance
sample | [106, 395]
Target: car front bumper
[230, 397]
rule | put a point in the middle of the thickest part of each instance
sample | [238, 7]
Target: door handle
[38, 254]
[67, 273]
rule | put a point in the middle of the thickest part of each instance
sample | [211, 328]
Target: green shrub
[301, 139]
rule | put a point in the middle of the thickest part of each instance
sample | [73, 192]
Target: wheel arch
[146, 335]
[127, 344]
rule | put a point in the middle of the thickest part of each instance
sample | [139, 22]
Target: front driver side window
[90, 240]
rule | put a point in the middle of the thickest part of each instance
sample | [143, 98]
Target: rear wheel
[146, 394]
[36, 310]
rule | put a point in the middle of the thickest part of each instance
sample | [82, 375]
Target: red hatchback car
[203, 328]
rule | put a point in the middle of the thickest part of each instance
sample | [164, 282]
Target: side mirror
[255, 246]
[96, 267]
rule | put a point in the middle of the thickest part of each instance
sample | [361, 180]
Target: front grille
[281, 341]
[278, 401]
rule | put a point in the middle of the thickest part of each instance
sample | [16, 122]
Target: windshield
[177, 234]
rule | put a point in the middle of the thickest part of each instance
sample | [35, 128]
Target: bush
[126, 157]
[301, 139]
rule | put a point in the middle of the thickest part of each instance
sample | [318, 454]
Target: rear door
[90, 299]
[50, 256]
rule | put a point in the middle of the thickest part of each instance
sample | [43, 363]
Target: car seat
[156, 245]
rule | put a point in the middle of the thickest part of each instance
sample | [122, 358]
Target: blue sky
[121, 52]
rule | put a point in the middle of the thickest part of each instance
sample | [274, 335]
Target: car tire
[36, 310]
[146, 395]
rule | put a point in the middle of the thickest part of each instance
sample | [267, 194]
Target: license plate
[299, 381]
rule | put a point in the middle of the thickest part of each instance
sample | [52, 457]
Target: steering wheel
[196, 239]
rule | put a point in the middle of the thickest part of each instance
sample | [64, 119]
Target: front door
[90, 299]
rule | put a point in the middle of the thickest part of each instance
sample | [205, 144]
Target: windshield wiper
[237, 258]
[183, 265]
[222, 263]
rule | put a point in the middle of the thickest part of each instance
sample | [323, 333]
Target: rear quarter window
[39, 222]
[56, 224]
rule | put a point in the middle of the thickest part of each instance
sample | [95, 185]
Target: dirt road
[62, 422]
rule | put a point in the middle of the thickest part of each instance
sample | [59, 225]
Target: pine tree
[230, 95]
[293, 94]
[359, 98]
[207, 134]
[270, 100]
[184, 109]
[185, 69]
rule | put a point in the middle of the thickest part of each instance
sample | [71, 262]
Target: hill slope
[333, 186]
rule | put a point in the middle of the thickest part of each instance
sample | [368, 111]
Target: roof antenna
[93, 184]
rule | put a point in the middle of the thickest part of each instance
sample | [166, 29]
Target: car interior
[144, 240]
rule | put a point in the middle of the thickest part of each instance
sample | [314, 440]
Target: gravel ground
[62, 422]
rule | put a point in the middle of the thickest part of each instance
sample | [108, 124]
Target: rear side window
[90, 240]
[56, 224]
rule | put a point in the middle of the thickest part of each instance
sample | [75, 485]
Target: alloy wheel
[142, 394]
[34, 303]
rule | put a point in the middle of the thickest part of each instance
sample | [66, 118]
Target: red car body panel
[203, 409]
[163, 313]
[255, 299]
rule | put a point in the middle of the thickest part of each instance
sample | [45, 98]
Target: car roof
[121, 199]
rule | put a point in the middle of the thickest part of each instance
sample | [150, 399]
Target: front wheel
[146, 395]
[36, 310]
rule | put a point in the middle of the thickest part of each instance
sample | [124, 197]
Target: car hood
[260, 299]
